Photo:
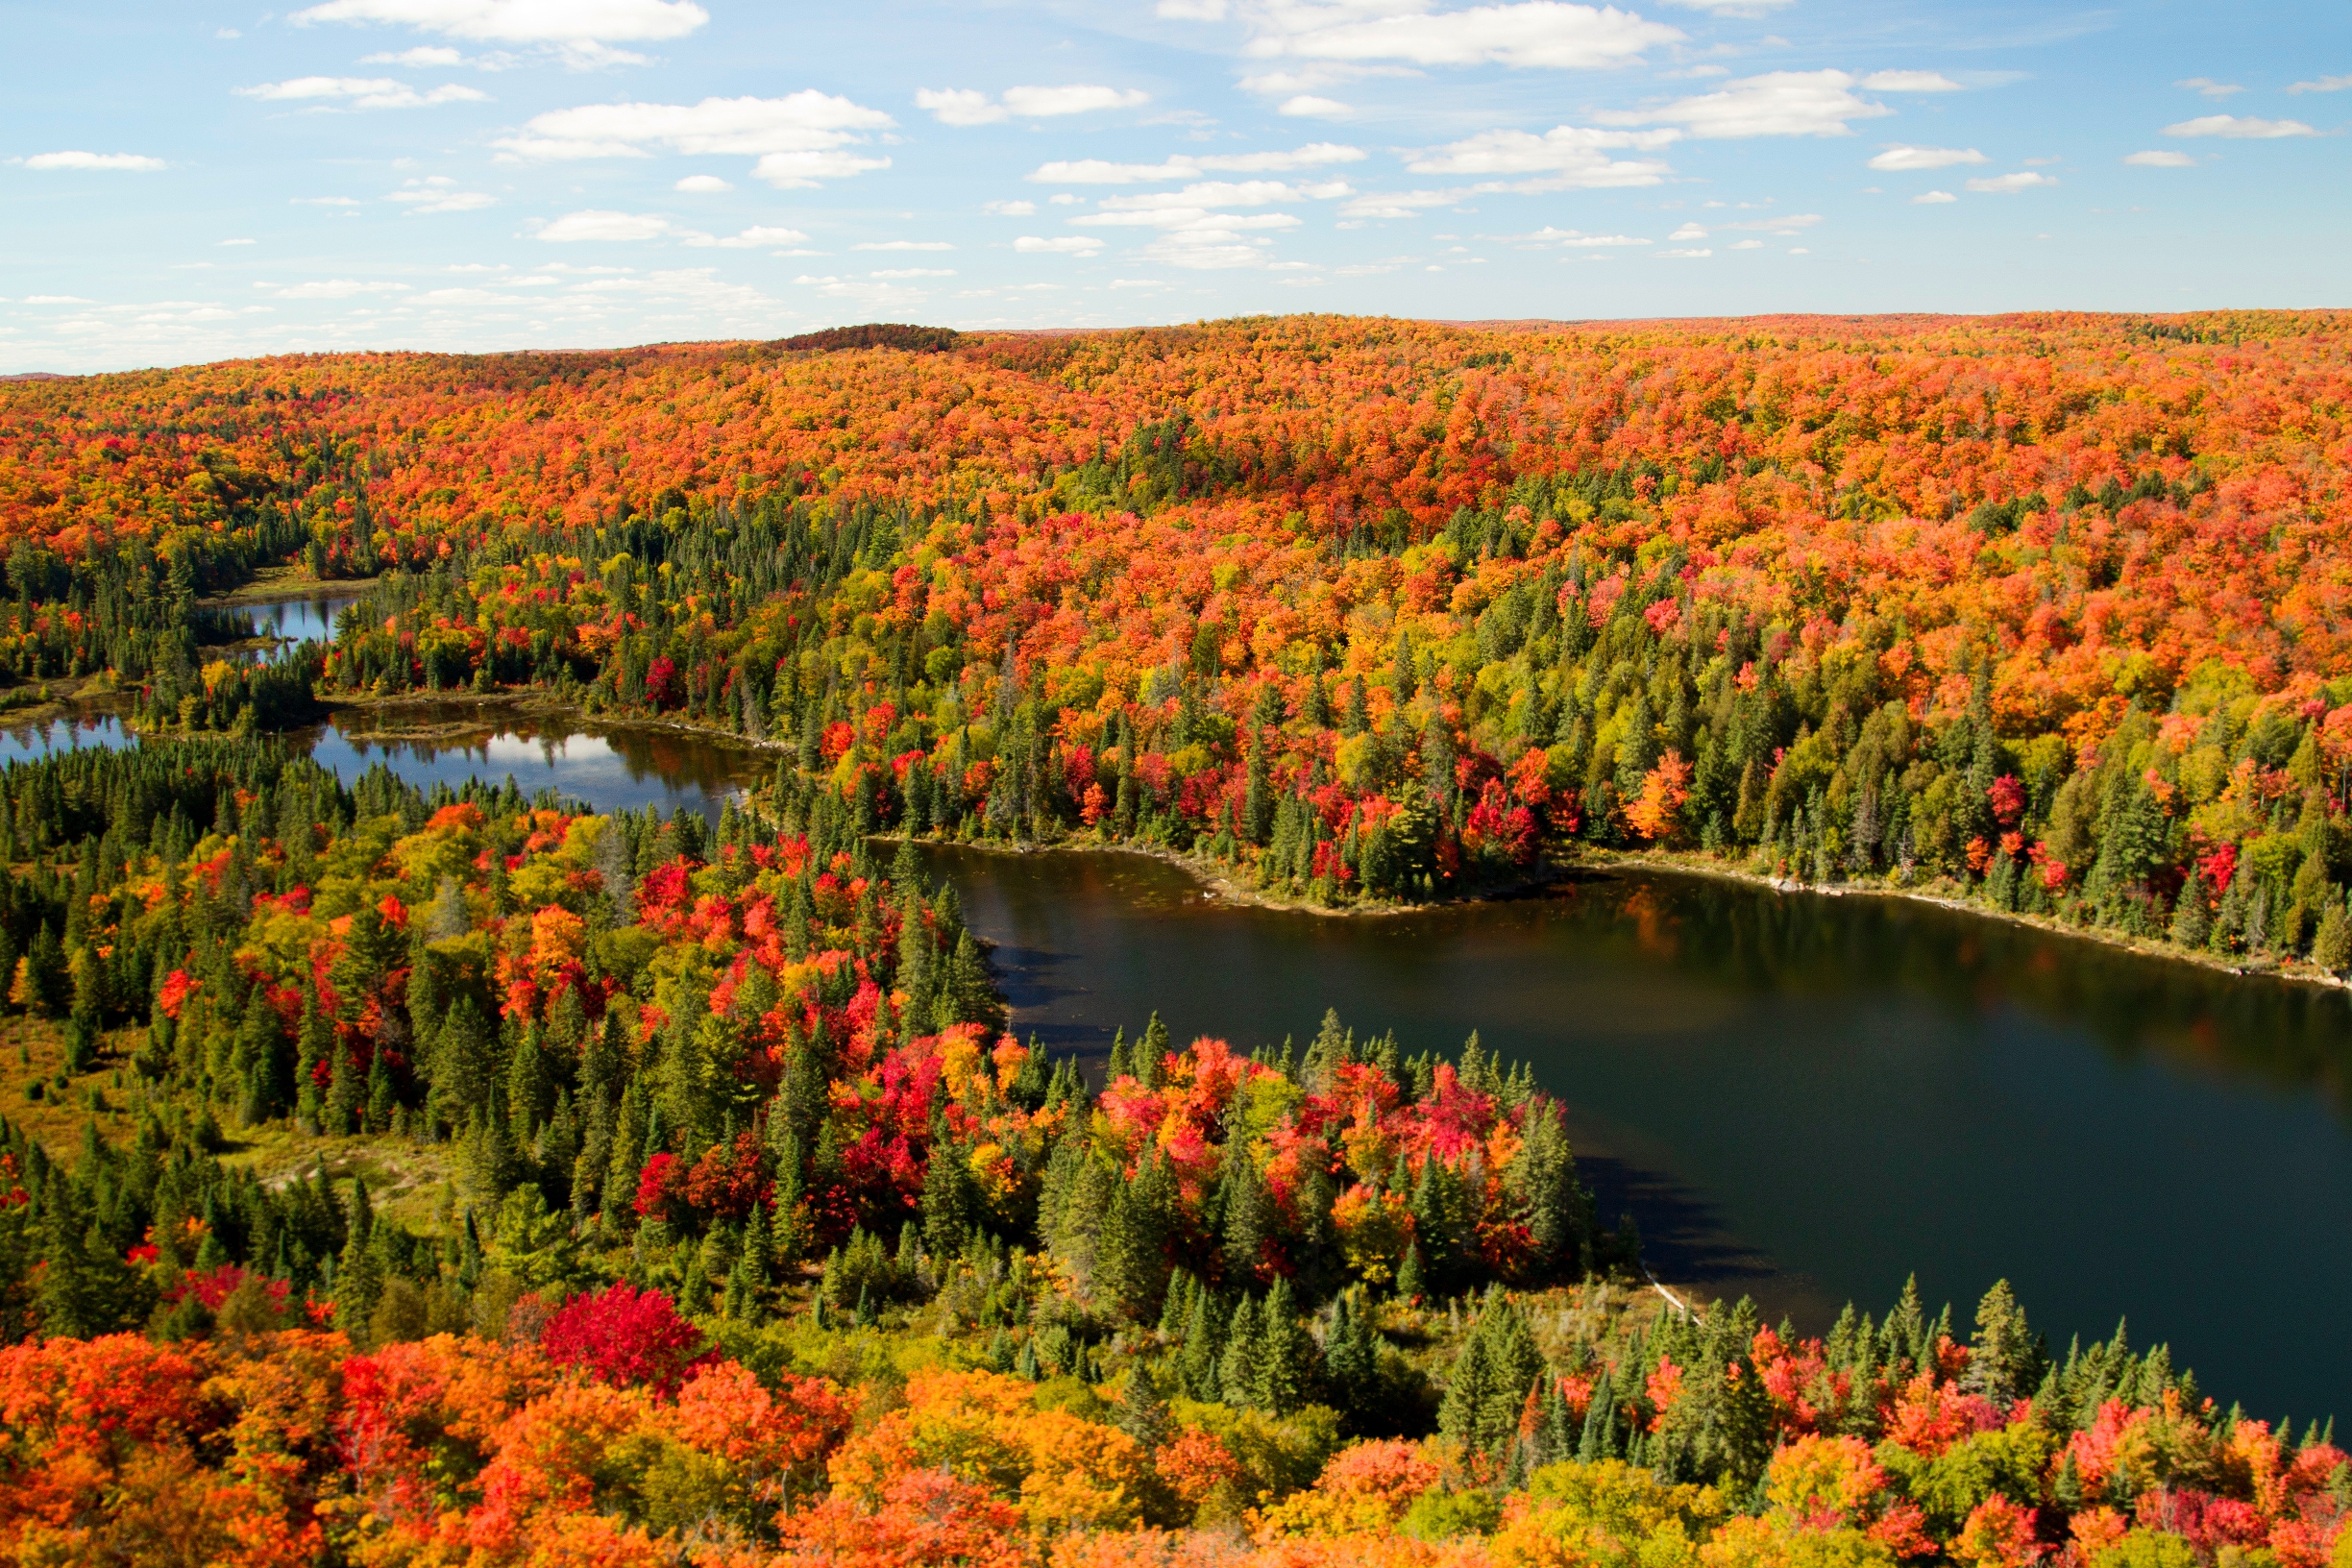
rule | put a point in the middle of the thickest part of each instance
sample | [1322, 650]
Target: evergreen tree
[1238, 1365]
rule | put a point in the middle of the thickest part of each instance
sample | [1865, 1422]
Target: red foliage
[625, 1337]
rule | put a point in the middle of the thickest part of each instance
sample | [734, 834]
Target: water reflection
[448, 743]
[1810, 1097]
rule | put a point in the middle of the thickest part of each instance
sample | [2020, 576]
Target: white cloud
[57, 298]
[329, 288]
[596, 224]
[1565, 157]
[523, 22]
[1534, 33]
[1683, 255]
[1932, 198]
[233, 242]
[1910, 82]
[1191, 11]
[799, 140]
[423, 57]
[702, 184]
[324, 201]
[2205, 87]
[1747, 244]
[2009, 185]
[1218, 193]
[361, 93]
[1307, 106]
[1689, 231]
[1902, 159]
[903, 245]
[750, 238]
[439, 194]
[1789, 223]
[913, 272]
[1774, 103]
[967, 106]
[130, 163]
[2324, 83]
[1574, 239]
[1730, 8]
[2238, 127]
[1011, 210]
[1095, 171]
[1058, 245]
[2160, 161]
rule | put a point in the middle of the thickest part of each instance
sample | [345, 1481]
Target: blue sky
[185, 182]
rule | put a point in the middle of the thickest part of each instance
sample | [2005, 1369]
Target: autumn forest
[398, 1175]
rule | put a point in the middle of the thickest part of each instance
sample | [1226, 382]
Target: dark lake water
[1806, 1098]
[1800, 1097]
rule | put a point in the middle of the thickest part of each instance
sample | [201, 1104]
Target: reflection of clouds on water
[30, 741]
[621, 770]
[611, 772]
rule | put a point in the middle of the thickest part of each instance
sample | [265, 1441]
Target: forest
[392, 1176]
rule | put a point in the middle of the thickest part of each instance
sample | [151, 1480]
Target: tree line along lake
[1801, 1098]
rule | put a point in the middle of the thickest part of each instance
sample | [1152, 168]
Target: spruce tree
[1143, 1412]
[1285, 1376]
[1237, 1366]
[359, 1283]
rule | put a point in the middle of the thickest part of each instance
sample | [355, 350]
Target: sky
[182, 181]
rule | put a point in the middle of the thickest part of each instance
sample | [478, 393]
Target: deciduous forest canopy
[463, 1177]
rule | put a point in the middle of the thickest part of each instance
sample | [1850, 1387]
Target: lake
[1799, 1096]
[1805, 1098]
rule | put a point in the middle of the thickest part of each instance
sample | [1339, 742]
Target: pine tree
[1598, 1440]
[2005, 1359]
[1248, 1215]
[947, 1198]
[317, 1045]
[1237, 1366]
[1285, 1375]
[1543, 1179]
[85, 1287]
[1143, 1413]
[359, 1283]
[1131, 1262]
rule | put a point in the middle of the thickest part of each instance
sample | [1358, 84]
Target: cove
[1806, 1098]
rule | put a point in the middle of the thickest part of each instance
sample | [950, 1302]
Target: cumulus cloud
[2240, 127]
[1574, 239]
[2009, 185]
[360, 92]
[1010, 209]
[752, 239]
[902, 245]
[1689, 231]
[1786, 223]
[1568, 157]
[523, 22]
[1774, 103]
[1095, 171]
[1902, 159]
[2323, 84]
[798, 141]
[1684, 255]
[1058, 245]
[1307, 106]
[2205, 87]
[439, 193]
[1534, 33]
[967, 106]
[597, 224]
[124, 163]
[1932, 198]
[2160, 161]
[1730, 8]
[702, 184]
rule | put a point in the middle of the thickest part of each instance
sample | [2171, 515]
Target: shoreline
[1218, 880]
